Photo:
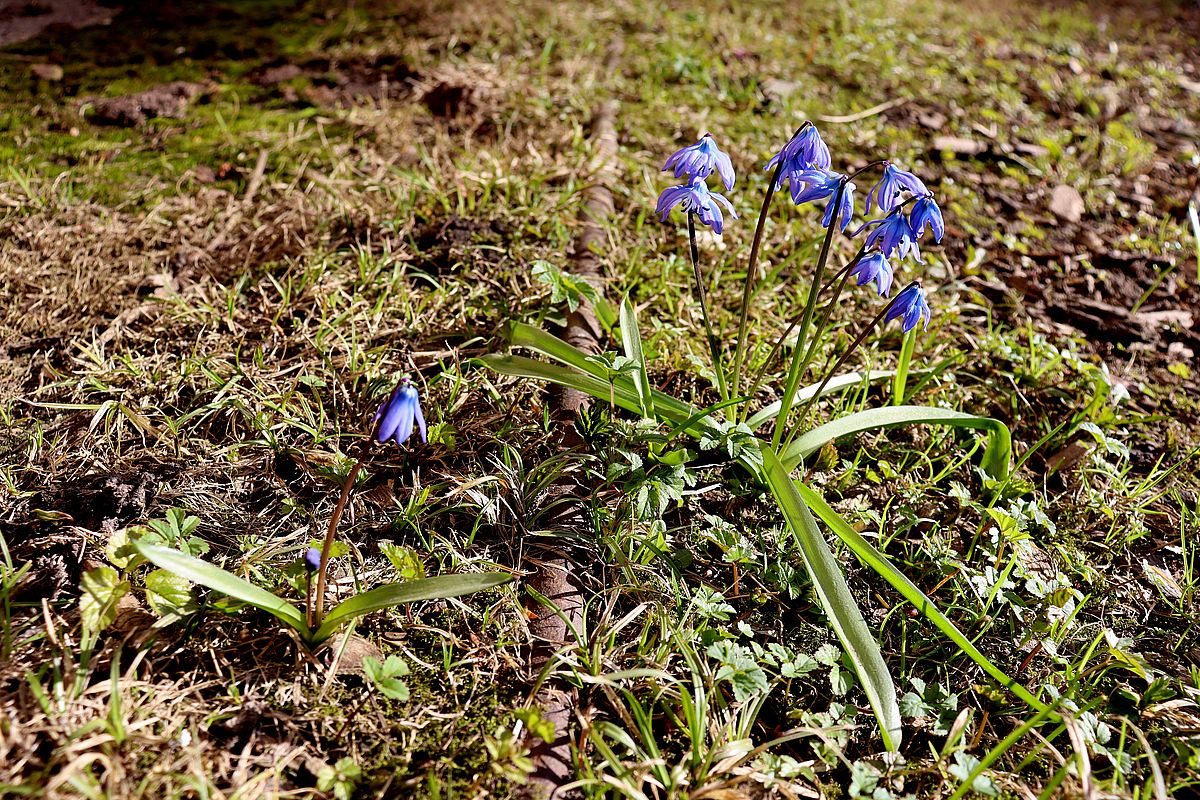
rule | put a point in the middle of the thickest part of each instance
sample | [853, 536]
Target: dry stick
[556, 575]
[319, 610]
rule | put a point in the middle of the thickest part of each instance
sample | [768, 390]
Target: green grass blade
[996, 456]
[769, 412]
[392, 594]
[882, 566]
[839, 605]
[631, 340]
[623, 393]
[217, 579]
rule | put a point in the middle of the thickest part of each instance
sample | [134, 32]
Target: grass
[169, 343]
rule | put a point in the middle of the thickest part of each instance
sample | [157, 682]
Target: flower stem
[714, 347]
[842, 359]
[752, 274]
[794, 371]
[347, 488]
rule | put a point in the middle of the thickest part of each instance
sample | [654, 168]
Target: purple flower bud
[394, 419]
[700, 160]
[909, 306]
[926, 214]
[312, 559]
[874, 267]
[695, 198]
[886, 194]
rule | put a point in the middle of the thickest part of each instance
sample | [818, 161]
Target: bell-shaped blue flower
[886, 194]
[804, 151]
[817, 184]
[909, 306]
[926, 214]
[394, 419]
[893, 235]
[874, 267]
[695, 198]
[312, 559]
[700, 160]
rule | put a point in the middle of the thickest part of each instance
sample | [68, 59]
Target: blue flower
[396, 416]
[909, 306]
[817, 184]
[874, 267]
[926, 214]
[312, 559]
[804, 151]
[894, 234]
[885, 193]
[696, 199]
[699, 160]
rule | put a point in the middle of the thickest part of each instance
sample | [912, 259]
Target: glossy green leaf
[393, 594]
[839, 605]
[631, 340]
[217, 579]
[996, 456]
[878, 562]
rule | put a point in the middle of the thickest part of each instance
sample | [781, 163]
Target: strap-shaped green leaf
[836, 600]
[394, 594]
[631, 340]
[996, 456]
[878, 562]
[217, 579]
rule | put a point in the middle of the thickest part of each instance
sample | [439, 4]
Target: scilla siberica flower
[312, 559]
[396, 416]
[804, 151]
[885, 194]
[696, 199]
[909, 306]
[700, 160]
[817, 184]
[894, 234]
[874, 267]
[926, 214]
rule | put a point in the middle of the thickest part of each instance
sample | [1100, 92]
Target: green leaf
[406, 560]
[538, 725]
[839, 604]
[631, 340]
[387, 676]
[849, 380]
[217, 579]
[878, 562]
[393, 594]
[995, 458]
[168, 593]
[102, 589]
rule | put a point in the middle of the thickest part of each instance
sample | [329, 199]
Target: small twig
[866, 113]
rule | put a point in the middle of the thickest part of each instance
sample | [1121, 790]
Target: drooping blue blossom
[804, 151]
[885, 194]
[700, 160]
[926, 214]
[312, 559]
[397, 414]
[817, 184]
[874, 267]
[909, 306]
[893, 235]
[695, 198]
